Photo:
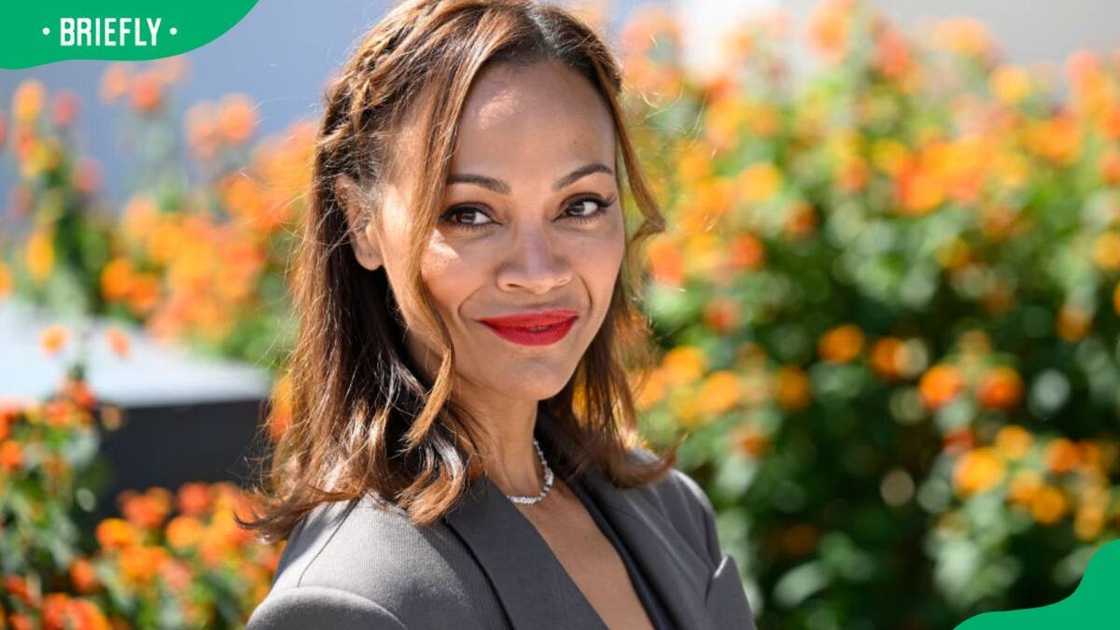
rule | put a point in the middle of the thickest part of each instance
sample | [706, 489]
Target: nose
[534, 263]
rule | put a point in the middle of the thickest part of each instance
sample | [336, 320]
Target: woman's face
[530, 222]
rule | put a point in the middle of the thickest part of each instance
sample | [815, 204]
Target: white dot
[46, 30]
[174, 31]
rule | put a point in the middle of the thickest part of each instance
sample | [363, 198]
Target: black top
[658, 616]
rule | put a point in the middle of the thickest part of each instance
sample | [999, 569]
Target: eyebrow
[502, 187]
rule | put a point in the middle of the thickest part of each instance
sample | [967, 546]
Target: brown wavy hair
[364, 419]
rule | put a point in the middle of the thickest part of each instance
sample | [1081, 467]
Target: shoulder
[310, 606]
[683, 501]
[362, 560]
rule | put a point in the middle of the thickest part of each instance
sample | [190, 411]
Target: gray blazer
[351, 565]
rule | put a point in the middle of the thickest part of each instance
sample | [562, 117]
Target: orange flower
[940, 385]
[694, 164]
[1024, 487]
[841, 344]
[170, 69]
[184, 532]
[801, 221]
[11, 456]
[87, 176]
[892, 53]
[963, 36]
[959, 441]
[683, 365]
[828, 27]
[115, 534]
[650, 391]
[1013, 442]
[83, 576]
[140, 564]
[115, 81]
[1000, 388]
[56, 611]
[65, 108]
[852, 174]
[1057, 139]
[143, 295]
[146, 92]
[194, 498]
[1048, 505]
[89, 616]
[5, 280]
[28, 101]
[23, 590]
[40, 254]
[977, 471]
[750, 441]
[116, 279]
[719, 392]
[747, 252]
[53, 338]
[758, 182]
[202, 129]
[1062, 456]
[793, 388]
[237, 118]
[1010, 84]
[177, 574]
[148, 510]
[1106, 251]
[1089, 522]
[1110, 166]
[1073, 322]
[118, 341]
[918, 190]
[665, 260]
[78, 392]
[886, 355]
[721, 315]
[59, 414]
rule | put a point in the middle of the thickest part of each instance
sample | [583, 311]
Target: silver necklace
[547, 480]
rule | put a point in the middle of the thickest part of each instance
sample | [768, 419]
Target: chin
[534, 384]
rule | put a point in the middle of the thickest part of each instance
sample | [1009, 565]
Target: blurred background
[887, 304]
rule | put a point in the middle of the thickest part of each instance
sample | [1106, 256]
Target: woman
[462, 452]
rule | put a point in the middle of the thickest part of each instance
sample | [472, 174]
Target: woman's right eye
[473, 215]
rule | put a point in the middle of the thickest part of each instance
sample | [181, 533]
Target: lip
[518, 327]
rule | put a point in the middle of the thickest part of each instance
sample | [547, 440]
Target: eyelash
[454, 210]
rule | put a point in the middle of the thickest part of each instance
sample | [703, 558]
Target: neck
[509, 457]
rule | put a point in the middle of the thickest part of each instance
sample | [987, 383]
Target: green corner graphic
[35, 33]
[1092, 606]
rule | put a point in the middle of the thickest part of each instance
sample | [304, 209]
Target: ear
[363, 233]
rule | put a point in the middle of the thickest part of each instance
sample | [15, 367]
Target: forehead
[525, 118]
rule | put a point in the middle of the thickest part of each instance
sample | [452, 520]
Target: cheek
[598, 260]
[449, 277]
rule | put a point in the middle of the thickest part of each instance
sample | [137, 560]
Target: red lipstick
[539, 328]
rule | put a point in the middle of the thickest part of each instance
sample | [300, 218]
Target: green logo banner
[35, 33]
[1092, 606]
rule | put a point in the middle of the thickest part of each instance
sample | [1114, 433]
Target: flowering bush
[67, 236]
[171, 560]
[198, 263]
[888, 299]
[887, 302]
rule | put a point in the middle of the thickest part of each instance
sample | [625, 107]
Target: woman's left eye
[591, 207]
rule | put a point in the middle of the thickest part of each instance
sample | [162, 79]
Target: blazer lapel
[679, 576]
[533, 587]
